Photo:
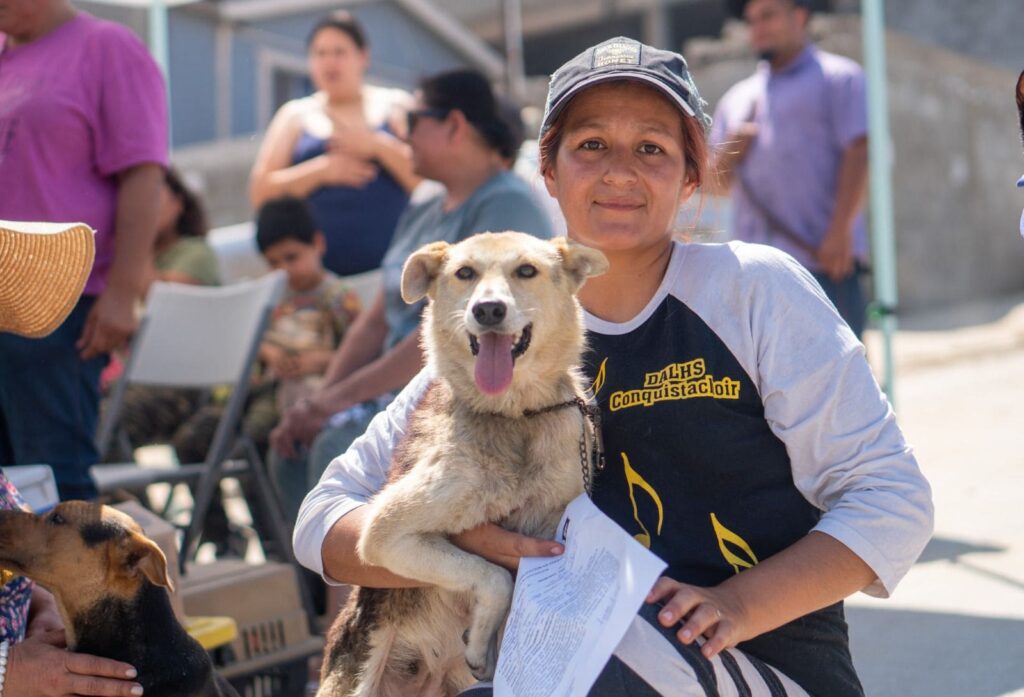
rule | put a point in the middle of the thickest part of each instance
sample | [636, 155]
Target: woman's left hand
[43, 615]
[357, 142]
[717, 613]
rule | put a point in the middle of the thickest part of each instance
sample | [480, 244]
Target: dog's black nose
[489, 313]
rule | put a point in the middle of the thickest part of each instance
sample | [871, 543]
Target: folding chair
[198, 337]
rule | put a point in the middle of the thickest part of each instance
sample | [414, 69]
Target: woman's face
[428, 138]
[619, 173]
[336, 63]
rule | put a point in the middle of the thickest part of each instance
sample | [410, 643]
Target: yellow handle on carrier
[212, 632]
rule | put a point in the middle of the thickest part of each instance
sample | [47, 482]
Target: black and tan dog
[111, 584]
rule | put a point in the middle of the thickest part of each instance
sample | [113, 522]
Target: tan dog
[496, 438]
[110, 582]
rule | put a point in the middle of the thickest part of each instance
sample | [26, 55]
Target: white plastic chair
[198, 337]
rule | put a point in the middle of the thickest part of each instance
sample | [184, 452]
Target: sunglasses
[413, 117]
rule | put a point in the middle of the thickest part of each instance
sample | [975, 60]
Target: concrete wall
[990, 30]
[957, 159]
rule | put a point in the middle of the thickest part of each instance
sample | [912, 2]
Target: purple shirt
[808, 113]
[77, 106]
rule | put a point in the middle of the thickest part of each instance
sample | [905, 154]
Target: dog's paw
[483, 663]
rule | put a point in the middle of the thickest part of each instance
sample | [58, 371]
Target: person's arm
[342, 563]
[813, 573]
[41, 666]
[396, 157]
[847, 455]
[332, 515]
[272, 173]
[848, 110]
[729, 140]
[836, 251]
[726, 158]
[391, 371]
[112, 318]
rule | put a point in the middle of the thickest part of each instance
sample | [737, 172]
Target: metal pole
[880, 168]
[158, 47]
[515, 67]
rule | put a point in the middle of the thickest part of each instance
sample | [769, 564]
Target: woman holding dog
[748, 444]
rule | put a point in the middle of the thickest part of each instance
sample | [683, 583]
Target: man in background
[790, 145]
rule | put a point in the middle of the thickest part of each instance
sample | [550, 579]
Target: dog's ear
[421, 269]
[580, 262]
[144, 557]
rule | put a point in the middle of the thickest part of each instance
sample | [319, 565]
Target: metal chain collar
[591, 459]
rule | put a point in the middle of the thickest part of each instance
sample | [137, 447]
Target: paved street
[955, 627]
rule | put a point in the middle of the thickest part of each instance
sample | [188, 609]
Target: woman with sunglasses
[459, 138]
[341, 150]
[748, 444]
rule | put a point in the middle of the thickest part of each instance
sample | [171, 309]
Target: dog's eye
[526, 271]
[56, 519]
[465, 273]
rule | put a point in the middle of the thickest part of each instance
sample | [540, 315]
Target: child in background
[317, 309]
[306, 326]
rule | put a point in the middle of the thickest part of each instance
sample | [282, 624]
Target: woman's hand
[717, 613]
[43, 615]
[109, 324]
[312, 361]
[504, 547]
[299, 426]
[342, 169]
[41, 667]
[358, 142]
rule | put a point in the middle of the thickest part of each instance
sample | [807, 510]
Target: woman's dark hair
[344, 22]
[469, 91]
[191, 221]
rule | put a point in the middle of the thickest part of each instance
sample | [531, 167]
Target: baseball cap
[43, 269]
[623, 58]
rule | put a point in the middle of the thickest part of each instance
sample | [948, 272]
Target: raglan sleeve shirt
[848, 455]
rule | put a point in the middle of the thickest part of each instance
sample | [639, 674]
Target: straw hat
[43, 269]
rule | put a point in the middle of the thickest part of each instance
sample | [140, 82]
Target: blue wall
[193, 99]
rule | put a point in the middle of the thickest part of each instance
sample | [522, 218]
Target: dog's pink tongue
[494, 363]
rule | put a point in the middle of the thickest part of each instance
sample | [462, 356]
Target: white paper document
[569, 612]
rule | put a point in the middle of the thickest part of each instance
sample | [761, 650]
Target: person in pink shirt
[83, 138]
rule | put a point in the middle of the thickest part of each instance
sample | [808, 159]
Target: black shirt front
[696, 475]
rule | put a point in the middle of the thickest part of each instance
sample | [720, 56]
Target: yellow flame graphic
[724, 535]
[635, 480]
[599, 379]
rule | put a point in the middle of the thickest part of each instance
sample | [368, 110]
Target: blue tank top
[357, 222]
